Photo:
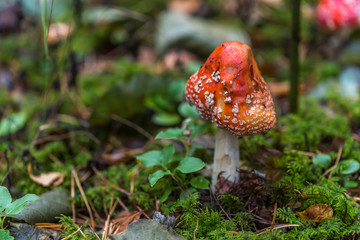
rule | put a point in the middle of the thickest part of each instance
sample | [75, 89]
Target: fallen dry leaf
[120, 223]
[47, 179]
[317, 213]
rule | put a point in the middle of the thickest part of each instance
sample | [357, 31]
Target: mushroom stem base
[226, 157]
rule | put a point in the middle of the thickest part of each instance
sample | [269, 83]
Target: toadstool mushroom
[337, 14]
[229, 91]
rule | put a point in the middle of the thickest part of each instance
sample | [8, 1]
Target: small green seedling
[171, 164]
[7, 207]
[343, 168]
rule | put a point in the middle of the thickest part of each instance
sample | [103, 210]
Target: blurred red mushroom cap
[337, 14]
[230, 91]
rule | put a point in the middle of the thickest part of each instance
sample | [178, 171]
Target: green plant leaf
[166, 155]
[49, 206]
[188, 111]
[166, 119]
[151, 158]
[199, 129]
[5, 235]
[190, 164]
[5, 198]
[18, 205]
[171, 133]
[12, 123]
[348, 166]
[153, 178]
[322, 160]
[200, 182]
[166, 194]
[350, 184]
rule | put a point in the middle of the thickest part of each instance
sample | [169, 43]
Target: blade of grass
[45, 23]
[294, 55]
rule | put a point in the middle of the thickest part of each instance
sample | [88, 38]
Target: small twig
[51, 138]
[8, 170]
[186, 194]
[274, 217]
[222, 209]
[197, 225]
[71, 234]
[82, 233]
[337, 161]
[122, 204]
[107, 223]
[96, 213]
[133, 125]
[109, 183]
[92, 222]
[179, 223]
[280, 226]
[330, 170]
[143, 212]
[308, 154]
[156, 204]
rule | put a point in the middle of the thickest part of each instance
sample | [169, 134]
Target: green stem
[186, 194]
[2, 220]
[294, 55]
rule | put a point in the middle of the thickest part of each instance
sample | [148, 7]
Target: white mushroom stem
[226, 157]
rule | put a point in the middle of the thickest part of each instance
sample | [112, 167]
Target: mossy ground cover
[96, 112]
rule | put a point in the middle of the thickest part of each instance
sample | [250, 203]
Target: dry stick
[108, 183]
[143, 212]
[186, 194]
[97, 215]
[71, 234]
[8, 170]
[308, 154]
[337, 161]
[107, 223]
[280, 226]
[197, 225]
[156, 204]
[274, 217]
[82, 233]
[335, 165]
[122, 204]
[222, 209]
[133, 125]
[92, 223]
[116, 231]
[50, 138]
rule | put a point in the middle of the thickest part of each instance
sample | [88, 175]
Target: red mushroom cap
[230, 91]
[337, 14]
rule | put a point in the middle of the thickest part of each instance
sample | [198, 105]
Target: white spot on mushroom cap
[216, 76]
[227, 100]
[235, 109]
[209, 99]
